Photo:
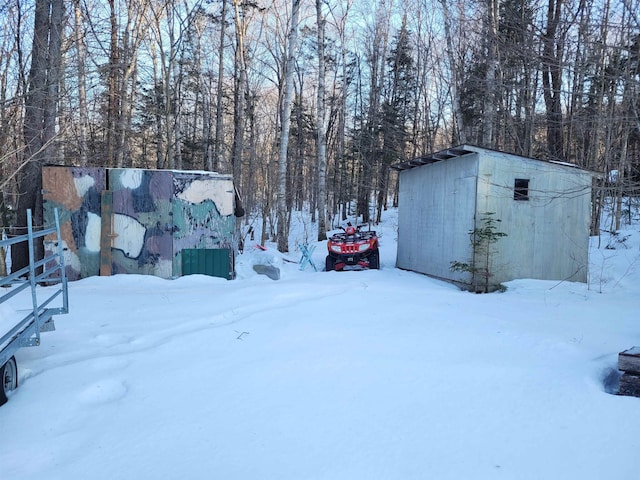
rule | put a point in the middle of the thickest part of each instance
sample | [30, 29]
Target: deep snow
[354, 375]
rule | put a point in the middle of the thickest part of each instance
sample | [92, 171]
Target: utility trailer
[45, 294]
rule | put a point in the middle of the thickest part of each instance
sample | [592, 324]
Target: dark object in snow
[8, 378]
[629, 360]
[269, 270]
[629, 363]
[629, 385]
[611, 380]
[353, 249]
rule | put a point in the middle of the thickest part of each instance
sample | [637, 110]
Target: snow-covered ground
[356, 375]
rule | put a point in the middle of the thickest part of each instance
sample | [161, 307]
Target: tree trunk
[372, 147]
[492, 65]
[321, 133]
[204, 90]
[112, 108]
[82, 85]
[161, 161]
[40, 117]
[283, 219]
[218, 154]
[455, 74]
[239, 93]
[552, 81]
[340, 163]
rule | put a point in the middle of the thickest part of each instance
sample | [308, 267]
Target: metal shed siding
[447, 195]
[75, 192]
[153, 216]
[548, 235]
[435, 215]
[142, 221]
[203, 214]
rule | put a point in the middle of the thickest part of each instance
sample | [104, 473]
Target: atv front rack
[358, 236]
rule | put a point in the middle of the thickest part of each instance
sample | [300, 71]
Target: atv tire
[330, 263]
[374, 260]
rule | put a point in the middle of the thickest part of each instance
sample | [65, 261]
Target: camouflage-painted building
[166, 223]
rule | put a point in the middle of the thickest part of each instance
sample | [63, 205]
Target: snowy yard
[332, 375]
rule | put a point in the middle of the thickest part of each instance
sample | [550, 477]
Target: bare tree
[283, 223]
[124, 44]
[172, 22]
[552, 79]
[371, 143]
[218, 154]
[240, 87]
[491, 30]
[81, 53]
[454, 71]
[40, 115]
[339, 185]
[321, 131]
[112, 108]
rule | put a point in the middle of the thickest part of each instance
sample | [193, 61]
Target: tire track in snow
[117, 344]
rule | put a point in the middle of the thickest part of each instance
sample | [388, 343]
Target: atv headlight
[335, 248]
[363, 247]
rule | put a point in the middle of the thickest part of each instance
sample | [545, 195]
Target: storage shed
[165, 223]
[542, 207]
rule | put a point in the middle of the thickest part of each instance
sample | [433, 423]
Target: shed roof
[459, 151]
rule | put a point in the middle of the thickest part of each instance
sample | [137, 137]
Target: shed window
[521, 189]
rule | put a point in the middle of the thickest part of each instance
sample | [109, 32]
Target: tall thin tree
[321, 129]
[283, 223]
[218, 153]
[552, 80]
[454, 72]
[40, 115]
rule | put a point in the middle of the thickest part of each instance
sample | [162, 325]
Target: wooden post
[106, 232]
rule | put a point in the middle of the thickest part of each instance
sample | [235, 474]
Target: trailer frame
[39, 317]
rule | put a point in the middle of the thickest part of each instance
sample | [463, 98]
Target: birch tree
[81, 58]
[339, 186]
[218, 153]
[321, 131]
[240, 87]
[371, 149]
[283, 222]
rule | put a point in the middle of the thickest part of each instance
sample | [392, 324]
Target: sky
[381, 374]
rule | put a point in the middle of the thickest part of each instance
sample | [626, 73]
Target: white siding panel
[436, 208]
[548, 235]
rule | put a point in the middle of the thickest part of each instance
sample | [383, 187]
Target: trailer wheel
[8, 379]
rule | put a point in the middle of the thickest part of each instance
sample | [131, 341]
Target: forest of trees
[308, 102]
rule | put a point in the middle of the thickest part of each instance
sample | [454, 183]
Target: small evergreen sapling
[482, 240]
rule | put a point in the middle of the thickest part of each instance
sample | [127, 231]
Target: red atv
[353, 249]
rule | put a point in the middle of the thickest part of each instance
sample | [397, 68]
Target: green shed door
[207, 261]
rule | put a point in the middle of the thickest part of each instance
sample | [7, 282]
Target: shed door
[215, 262]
